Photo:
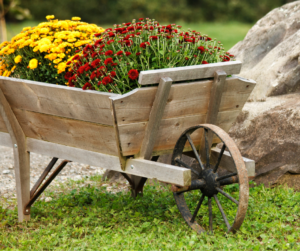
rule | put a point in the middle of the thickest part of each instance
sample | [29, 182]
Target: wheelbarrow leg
[21, 156]
[136, 182]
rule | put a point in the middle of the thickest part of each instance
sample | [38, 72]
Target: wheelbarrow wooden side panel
[62, 115]
[187, 106]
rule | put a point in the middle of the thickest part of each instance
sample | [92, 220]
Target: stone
[268, 132]
[270, 53]
[268, 128]
[6, 172]
[48, 199]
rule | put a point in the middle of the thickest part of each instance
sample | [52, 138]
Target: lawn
[87, 217]
[228, 33]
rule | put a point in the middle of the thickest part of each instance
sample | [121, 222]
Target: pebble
[37, 165]
[48, 199]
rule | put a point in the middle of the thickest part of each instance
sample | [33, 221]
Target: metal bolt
[132, 166]
[15, 145]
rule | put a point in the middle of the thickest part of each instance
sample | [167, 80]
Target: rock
[270, 53]
[48, 199]
[268, 132]
[113, 176]
[6, 172]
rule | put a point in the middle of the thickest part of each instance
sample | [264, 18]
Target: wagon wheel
[205, 178]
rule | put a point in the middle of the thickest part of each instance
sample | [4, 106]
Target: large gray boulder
[270, 53]
[268, 128]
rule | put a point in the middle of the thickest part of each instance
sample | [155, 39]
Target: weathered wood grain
[5, 139]
[227, 162]
[131, 135]
[149, 169]
[184, 99]
[213, 109]
[21, 156]
[63, 101]
[189, 72]
[155, 117]
[69, 132]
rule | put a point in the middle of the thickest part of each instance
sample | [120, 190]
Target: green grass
[228, 33]
[90, 218]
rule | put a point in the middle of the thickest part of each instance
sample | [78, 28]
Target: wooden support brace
[21, 156]
[155, 117]
[228, 164]
[214, 106]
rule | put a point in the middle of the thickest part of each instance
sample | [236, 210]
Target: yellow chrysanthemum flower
[33, 63]
[49, 17]
[76, 18]
[18, 59]
[13, 69]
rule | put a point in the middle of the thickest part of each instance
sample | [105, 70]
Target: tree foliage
[116, 11]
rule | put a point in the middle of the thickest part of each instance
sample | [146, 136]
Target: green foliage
[89, 218]
[228, 33]
[116, 11]
[14, 10]
[114, 61]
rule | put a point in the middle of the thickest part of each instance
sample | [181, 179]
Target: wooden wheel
[206, 179]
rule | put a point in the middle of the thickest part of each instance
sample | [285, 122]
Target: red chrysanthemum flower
[138, 53]
[108, 61]
[75, 57]
[127, 53]
[204, 62]
[119, 53]
[133, 74]
[111, 34]
[141, 19]
[144, 44]
[201, 48]
[95, 63]
[106, 80]
[110, 41]
[68, 75]
[113, 74]
[153, 37]
[94, 54]
[109, 52]
[87, 86]
[97, 34]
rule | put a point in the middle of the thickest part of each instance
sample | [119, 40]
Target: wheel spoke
[210, 215]
[227, 195]
[222, 212]
[195, 151]
[197, 208]
[229, 181]
[226, 176]
[179, 161]
[219, 158]
[206, 148]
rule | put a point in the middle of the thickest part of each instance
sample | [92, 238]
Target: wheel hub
[210, 179]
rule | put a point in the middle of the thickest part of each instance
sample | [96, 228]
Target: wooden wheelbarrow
[184, 111]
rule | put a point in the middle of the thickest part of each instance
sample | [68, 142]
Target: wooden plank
[131, 135]
[69, 132]
[21, 156]
[149, 169]
[63, 101]
[160, 171]
[213, 108]
[5, 139]
[155, 117]
[189, 72]
[184, 99]
[227, 161]
[2, 125]
[118, 143]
